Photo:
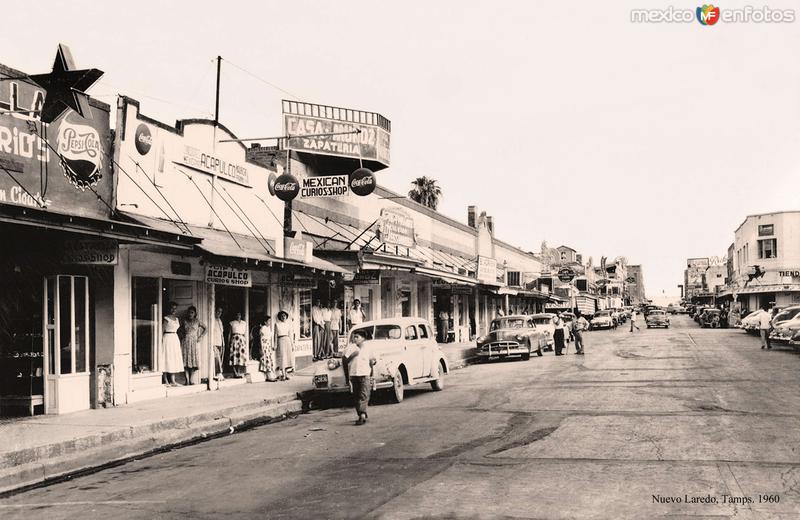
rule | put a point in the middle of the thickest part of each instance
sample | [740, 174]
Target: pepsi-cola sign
[362, 182]
[286, 187]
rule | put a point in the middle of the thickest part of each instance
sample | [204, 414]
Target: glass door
[66, 322]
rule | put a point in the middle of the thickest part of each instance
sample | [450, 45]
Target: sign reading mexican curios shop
[396, 227]
[325, 186]
[223, 275]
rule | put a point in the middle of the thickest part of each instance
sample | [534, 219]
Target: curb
[58, 462]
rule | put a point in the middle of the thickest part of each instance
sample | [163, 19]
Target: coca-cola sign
[271, 183]
[286, 187]
[143, 139]
[362, 182]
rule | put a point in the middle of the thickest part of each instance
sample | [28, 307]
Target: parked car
[407, 355]
[657, 318]
[784, 315]
[711, 318]
[750, 322]
[698, 311]
[602, 320]
[786, 330]
[512, 336]
[546, 322]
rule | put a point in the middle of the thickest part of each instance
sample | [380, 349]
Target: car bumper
[503, 349]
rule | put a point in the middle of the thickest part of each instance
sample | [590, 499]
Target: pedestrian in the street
[579, 324]
[444, 325]
[360, 359]
[633, 320]
[283, 346]
[218, 343]
[193, 332]
[266, 362]
[764, 326]
[170, 357]
[318, 331]
[336, 325]
[558, 336]
[237, 339]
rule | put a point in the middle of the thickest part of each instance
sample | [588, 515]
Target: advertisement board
[90, 252]
[307, 124]
[64, 166]
[487, 269]
[695, 269]
[396, 227]
[325, 186]
[224, 275]
[212, 164]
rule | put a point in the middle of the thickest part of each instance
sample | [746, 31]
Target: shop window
[411, 332]
[144, 295]
[305, 313]
[513, 278]
[766, 230]
[68, 324]
[768, 248]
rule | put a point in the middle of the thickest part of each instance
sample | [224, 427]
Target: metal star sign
[66, 87]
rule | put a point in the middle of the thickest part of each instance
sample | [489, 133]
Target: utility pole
[216, 107]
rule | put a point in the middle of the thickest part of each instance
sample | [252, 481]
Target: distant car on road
[407, 355]
[602, 320]
[512, 336]
[711, 318]
[657, 318]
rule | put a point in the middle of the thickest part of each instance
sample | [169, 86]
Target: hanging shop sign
[630, 279]
[363, 182]
[286, 187]
[55, 147]
[396, 227]
[224, 275]
[566, 274]
[367, 277]
[325, 186]
[487, 269]
[90, 252]
[297, 249]
[271, 183]
[215, 165]
[307, 125]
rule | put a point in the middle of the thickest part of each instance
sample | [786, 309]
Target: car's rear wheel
[398, 389]
[526, 357]
[438, 383]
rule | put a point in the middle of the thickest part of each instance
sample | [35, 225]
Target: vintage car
[546, 322]
[784, 315]
[512, 336]
[602, 320]
[711, 318]
[785, 330]
[657, 318]
[407, 355]
[750, 322]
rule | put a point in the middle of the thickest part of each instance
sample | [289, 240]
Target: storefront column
[210, 324]
[122, 326]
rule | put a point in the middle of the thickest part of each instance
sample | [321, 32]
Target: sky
[565, 121]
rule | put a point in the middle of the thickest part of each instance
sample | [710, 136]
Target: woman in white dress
[283, 346]
[237, 339]
[171, 361]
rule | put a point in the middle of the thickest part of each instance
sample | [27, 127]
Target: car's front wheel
[438, 383]
[398, 389]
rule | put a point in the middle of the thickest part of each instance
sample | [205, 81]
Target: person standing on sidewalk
[193, 332]
[633, 320]
[764, 326]
[360, 359]
[578, 326]
[283, 346]
[336, 324]
[218, 343]
[170, 356]
[318, 331]
[327, 337]
[237, 339]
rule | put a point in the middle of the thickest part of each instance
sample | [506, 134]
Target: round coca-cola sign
[362, 182]
[271, 183]
[143, 139]
[286, 187]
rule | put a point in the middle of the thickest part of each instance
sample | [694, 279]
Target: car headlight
[334, 363]
[519, 338]
[482, 339]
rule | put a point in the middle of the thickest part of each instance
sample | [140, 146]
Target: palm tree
[425, 191]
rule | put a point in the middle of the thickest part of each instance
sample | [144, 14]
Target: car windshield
[602, 314]
[657, 313]
[379, 332]
[787, 314]
[542, 320]
[508, 323]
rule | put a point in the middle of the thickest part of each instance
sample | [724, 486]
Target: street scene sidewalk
[48, 447]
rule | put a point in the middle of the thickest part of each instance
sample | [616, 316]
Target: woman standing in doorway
[193, 331]
[283, 346]
[267, 361]
[237, 339]
[171, 360]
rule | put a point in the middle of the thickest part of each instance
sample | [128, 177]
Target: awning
[220, 243]
[765, 288]
[111, 229]
[446, 277]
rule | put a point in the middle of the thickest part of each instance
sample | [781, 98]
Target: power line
[36, 200]
[238, 216]
[246, 215]
[180, 219]
[212, 208]
[276, 87]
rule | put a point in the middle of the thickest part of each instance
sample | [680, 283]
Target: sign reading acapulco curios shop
[223, 275]
[55, 146]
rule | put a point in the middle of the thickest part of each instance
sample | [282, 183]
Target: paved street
[675, 414]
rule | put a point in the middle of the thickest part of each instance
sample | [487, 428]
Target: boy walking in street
[764, 325]
[578, 326]
[633, 320]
